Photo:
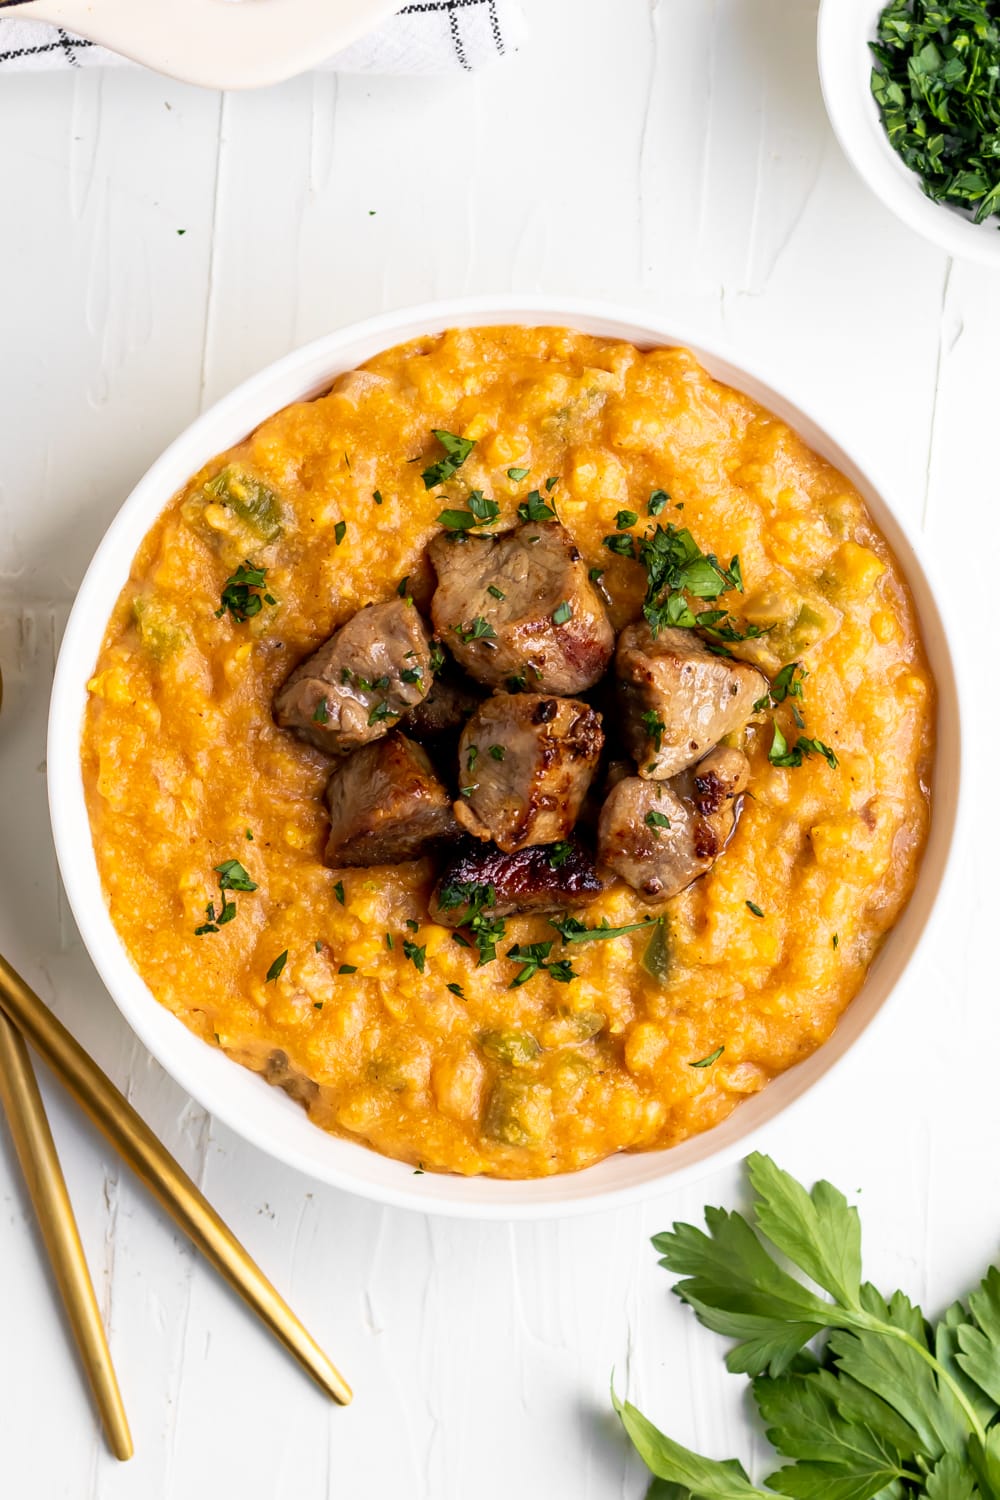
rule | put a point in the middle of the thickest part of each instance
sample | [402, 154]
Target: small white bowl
[845, 65]
[264, 1115]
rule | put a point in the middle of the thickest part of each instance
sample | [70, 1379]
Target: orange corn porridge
[186, 770]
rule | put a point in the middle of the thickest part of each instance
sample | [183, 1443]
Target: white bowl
[242, 1099]
[845, 64]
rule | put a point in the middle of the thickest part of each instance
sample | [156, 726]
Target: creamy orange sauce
[185, 769]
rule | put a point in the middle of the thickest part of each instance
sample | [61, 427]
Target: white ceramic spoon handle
[216, 43]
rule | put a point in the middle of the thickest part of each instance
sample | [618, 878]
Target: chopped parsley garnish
[479, 630]
[518, 474]
[248, 834]
[456, 989]
[516, 684]
[836, 940]
[562, 613]
[656, 820]
[752, 906]
[321, 713]
[403, 587]
[551, 482]
[232, 877]
[558, 854]
[497, 593]
[620, 545]
[276, 967]
[472, 757]
[417, 956]
[534, 508]
[318, 945]
[657, 502]
[485, 931]
[381, 711]
[595, 575]
[656, 959]
[377, 496]
[675, 567]
[411, 674]
[457, 450]
[625, 519]
[654, 727]
[706, 1062]
[497, 752]
[533, 958]
[388, 941]
[348, 969]
[781, 755]
[241, 594]
[338, 891]
[787, 684]
[437, 657]
[937, 66]
[339, 532]
[572, 930]
[480, 513]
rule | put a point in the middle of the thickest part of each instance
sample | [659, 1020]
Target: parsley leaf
[534, 508]
[478, 630]
[417, 956]
[780, 754]
[706, 1062]
[233, 877]
[241, 594]
[339, 532]
[457, 450]
[518, 474]
[656, 820]
[562, 613]
[625, 519]
[572, 930]
[657, 502]
[480, 513]
[276, 967]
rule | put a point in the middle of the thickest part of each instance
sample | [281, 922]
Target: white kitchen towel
[427, 36]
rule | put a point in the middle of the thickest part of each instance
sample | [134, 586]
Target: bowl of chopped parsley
[912, 88]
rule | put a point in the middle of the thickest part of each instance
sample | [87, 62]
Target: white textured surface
[672, 154]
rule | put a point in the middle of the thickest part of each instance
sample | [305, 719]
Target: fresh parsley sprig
[456, 451]
[862, 1395]
[243, 593]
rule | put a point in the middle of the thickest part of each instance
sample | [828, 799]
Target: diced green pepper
[249, 498]
[656, 959]
[518, 1048]
[158, 629]
[518, 1113]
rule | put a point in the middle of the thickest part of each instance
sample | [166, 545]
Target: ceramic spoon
[219, 44]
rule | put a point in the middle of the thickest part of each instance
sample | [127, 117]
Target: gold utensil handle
[36, 1151]
[152, 1162]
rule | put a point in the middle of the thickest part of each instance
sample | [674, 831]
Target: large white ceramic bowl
[243, 1100]
[845, 64]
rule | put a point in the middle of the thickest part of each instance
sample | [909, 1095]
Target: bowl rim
[206, 1073]
[854, 116]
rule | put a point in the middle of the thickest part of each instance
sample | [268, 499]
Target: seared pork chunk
[678, 699]
[445, 709]
[541, 878]
[386, 805]
[660, 836]
[357, 685]
[519, 607]
[525, 763]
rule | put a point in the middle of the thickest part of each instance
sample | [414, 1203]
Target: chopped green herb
[572, 930]
[456, 989]
[276, 967]
[417, 956]
[338, 891]
[241, 594]
[497, 752]
[437, 657]
[562, 613]
[836, 940]
[787, 684]
[472, 757]
[752, 906]
[480, 513]
[388, 941]
[411, 674]
[620, 545]
[457, 450]
[656, 959]
[706, 1062]
[534, 508]
[656, 820]
[382, 711]
[317, 1005]
[937, 66]
[479, 630]
[233, 877]
[418, 1170]
[348, 969]
[780, 754]
[516, 684]
[595, 575]
[654, 727]
[657, 502]
[625, 519]
[497, 593]
[551, 482]
[339, 532]
[403, 587]
[318, 945]
[518, 474]
[248, 834]
[377, 496]
[477, 899]
[558, 854]
[321, 713]
[533, 958]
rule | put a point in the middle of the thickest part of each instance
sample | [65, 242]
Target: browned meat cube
[660, 836]
[355, 687]
[525, 763]
[678, 698]
[544, 877]
[520, 608]
[386, 805]
[445, 709]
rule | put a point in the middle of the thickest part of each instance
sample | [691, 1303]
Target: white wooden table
[159, 244]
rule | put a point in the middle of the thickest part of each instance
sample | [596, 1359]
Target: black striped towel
[427, 36]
